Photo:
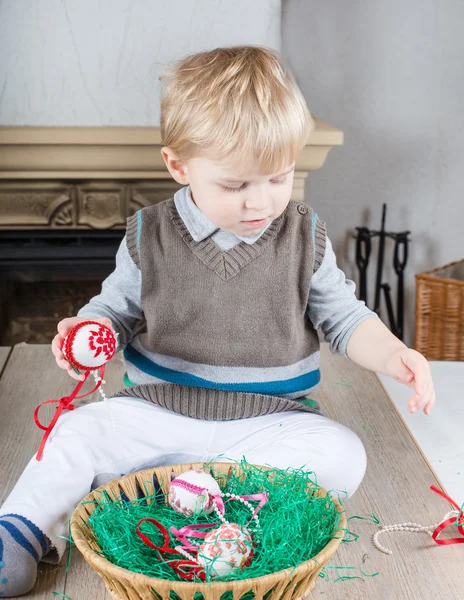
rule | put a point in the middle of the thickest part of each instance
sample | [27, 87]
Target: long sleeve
[119, 299]
[332, 306]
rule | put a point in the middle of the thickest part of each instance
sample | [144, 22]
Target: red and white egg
[225, 549]
[89, 345]
[192, 492]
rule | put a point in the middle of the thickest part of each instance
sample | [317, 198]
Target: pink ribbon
[191, 530]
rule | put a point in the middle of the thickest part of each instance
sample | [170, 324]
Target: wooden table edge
[411, 435]
[8, 355]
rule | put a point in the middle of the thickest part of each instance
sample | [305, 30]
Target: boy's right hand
[64, 327]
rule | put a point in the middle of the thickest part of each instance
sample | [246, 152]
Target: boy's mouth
[256, 223]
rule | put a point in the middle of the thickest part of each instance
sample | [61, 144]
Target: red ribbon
[64, 403]
[192, 568]
[459, 519]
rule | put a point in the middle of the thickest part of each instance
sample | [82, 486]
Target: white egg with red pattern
[192, 492]
[89, 345]
[225, 549]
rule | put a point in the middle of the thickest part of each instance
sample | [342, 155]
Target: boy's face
[242, 203]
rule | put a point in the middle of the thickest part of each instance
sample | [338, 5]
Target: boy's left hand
[411, 368]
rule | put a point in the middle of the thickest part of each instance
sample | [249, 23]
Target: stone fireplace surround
[65, 194]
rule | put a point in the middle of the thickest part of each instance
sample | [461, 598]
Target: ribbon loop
[458, 519]
[146, 540]
[64, 403]
[187, 569]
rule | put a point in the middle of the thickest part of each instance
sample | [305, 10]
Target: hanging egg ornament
[89, 345]
[192, 492]
[225, 549]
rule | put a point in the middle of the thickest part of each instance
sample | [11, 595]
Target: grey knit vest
[242, 307]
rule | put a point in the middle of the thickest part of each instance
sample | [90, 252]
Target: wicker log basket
[123, 584]
[440, 312]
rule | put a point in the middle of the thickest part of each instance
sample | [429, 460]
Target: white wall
[390, 75]
[96, 62]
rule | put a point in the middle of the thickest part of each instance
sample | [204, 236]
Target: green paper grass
[295, 526]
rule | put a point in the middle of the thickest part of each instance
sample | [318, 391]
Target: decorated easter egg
[89, 345]
[192, 492]
[225, 549]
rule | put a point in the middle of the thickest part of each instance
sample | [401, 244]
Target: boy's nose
[257, 199]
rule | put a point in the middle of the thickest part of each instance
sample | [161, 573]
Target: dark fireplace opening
[47, 275]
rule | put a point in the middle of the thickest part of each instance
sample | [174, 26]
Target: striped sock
[22, 546]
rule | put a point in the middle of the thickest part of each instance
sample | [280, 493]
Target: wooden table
[396, 486]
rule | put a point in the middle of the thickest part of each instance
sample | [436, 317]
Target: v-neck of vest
[225, 263]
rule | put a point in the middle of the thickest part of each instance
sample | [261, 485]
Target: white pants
[99, 442]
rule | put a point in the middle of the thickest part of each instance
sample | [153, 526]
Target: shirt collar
[198, 225]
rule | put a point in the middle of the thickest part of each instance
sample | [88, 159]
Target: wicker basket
[123, 584]
[440, 312]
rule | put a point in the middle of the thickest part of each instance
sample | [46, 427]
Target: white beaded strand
[100, 389]
[218, 513]
[180, 550]
[103, 395]
[243, 501]
[413, 527]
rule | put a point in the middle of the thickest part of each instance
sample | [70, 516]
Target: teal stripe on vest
[139, 228]
[313, 227]
[270, 388]
[127, 382]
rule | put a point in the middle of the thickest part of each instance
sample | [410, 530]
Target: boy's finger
[56, 346]
[65, 325]
[419, 397]
[412, 403]
[107, 322]
[74, 375]
[415, 401]
[426, 396]
[430, 405]
[62, 363]
[403, 374]
[419, 366]
[419, 401]
[430, 397]
[62, 328]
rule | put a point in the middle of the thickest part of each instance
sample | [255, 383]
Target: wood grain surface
[396, 486]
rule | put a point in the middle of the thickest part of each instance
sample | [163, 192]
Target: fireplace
[65, 195]
[58, 241]
[49, 275]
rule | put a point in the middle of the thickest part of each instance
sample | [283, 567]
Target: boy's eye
[233, 189]
[243, 186]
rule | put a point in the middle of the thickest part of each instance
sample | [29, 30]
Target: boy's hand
[411, 368]
[374, 347]
[64, 327]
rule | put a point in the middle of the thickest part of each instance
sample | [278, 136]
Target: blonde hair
[240, 102]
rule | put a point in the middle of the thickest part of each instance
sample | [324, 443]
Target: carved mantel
[95, 177]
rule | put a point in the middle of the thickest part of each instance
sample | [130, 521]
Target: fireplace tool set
[400, 257]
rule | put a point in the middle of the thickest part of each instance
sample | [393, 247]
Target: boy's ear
[175, 166]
